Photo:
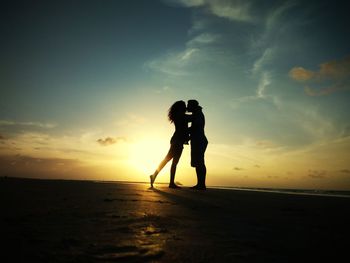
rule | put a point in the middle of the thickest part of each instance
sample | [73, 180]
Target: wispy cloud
[265, 144]
[203, 39]
[262, 60]
[275, 15]
[264, 82]
[198, 50]
[78, 146]
[133, 120]
[316, 174]
[110, 140]
[209, 45]
[234, 10]
[33, 167]
[265, 46]
[161, 90]
[189, 3]
[174, 63]
[326, 91]
[312, 123]
[332, 75]
[187, 54]
[28, 123]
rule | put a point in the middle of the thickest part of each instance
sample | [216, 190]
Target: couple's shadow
[184, 197]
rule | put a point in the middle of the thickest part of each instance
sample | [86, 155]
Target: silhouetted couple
[183, 134]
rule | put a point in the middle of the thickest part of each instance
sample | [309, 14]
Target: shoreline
[311, 192]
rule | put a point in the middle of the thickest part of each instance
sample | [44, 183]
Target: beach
[87, 221]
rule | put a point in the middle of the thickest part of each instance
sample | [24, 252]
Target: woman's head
[176, 110]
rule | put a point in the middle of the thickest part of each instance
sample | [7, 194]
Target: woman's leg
[166, 159]
[162, 164]
[173, 171]
[176, 158]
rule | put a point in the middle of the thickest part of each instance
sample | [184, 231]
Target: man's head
[192, 105]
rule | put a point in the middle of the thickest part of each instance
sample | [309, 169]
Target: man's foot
[198, 187]
[152, 178]
[174, 186]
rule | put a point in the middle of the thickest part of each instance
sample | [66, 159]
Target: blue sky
[272, 77]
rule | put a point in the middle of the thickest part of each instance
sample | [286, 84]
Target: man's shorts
[197, 152]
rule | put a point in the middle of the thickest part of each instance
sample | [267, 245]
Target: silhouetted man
[198, 143]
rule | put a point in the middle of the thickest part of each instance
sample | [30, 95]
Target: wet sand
[82, 221]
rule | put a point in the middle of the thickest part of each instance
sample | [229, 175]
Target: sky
[86, 85]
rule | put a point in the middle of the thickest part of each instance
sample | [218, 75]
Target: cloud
[325, 91]
[203, 39]
[234, 10]
[133, 120]
[174, 63]
[346, 171]
[205, 48]
[316, 174]
[265, 81]
[163, 89]
[301, 74]
[264, 59]
[264, 76]
[24, 160]
[186, 55]
[275, 15]
[28, 123]
[238, 169]
[199, 50]
[82, 146]
[110, 140]
[265, 144]
[2, 137]
[332, 75]
[33, 167]
[191, 3]
[335, 69]
[260, 93]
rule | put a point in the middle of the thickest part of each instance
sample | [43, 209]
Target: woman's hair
[176, 110]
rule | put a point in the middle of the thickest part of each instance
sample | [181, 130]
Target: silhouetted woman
[176, 115]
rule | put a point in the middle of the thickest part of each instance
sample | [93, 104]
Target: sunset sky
[86, 85]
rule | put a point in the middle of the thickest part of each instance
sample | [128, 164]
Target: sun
[147, 153]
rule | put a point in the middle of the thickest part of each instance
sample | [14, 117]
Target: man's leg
[198, 162]
[201, 175]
